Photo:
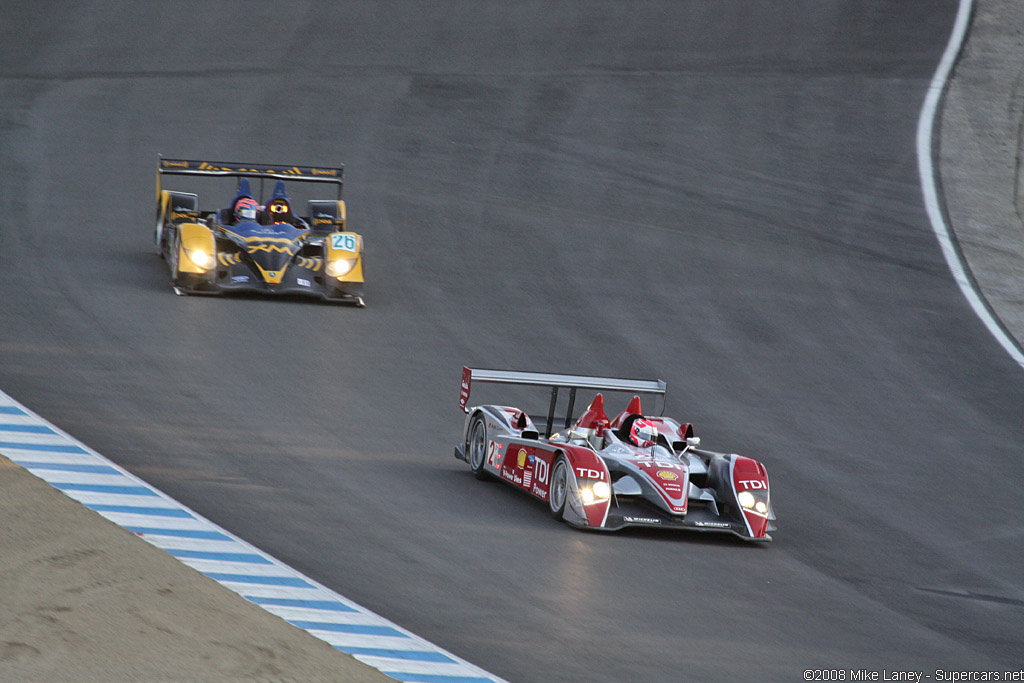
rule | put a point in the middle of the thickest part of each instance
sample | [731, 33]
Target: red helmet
[643, 433]
[246, 209]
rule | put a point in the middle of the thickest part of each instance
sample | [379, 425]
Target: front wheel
[174, 256]
[477, 447]
[558, 492]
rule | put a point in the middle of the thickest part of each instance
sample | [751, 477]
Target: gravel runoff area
[84, 600]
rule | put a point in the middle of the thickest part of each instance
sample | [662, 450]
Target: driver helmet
[643, 433]
[246, 209]
[279, 210]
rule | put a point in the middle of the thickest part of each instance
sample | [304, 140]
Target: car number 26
[341, 242]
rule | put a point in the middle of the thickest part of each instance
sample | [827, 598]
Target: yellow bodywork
[345, 246]
[195, 237]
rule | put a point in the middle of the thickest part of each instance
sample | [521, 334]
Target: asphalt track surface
[722, 194]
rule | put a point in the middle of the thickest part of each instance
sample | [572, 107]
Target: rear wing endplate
[556, 382]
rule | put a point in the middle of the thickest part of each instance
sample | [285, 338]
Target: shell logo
[667, 475]
[522, 457]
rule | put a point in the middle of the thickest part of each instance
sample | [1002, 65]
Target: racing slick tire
[476, 447]
[173, 260]
[558, 493]
[158, 236]
[173, 254]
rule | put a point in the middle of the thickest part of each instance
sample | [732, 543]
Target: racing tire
[558, 492]
[476, 448]
[158, 238]
[173, 256]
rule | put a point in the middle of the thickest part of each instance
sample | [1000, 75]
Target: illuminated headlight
[200, 258]
[754, 502]
[340, 267]
[595, 493]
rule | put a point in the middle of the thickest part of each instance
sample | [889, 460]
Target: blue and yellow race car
[256, 242]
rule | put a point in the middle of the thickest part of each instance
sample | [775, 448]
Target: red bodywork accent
[467, 377]
[671, 480]
[586, 464]
[750, 475]
[529, 467]
[594, 417]
[632, 409]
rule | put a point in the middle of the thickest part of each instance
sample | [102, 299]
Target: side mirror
[693, 441]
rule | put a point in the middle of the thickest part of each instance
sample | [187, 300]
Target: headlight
[756, 503]
[200, 258]
[595, 493]
[340, 267]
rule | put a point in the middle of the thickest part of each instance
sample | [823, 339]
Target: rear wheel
[558, 492]
[158, 238]
[477, 447]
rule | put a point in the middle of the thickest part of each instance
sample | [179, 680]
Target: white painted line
[929, 185]
[88, 477]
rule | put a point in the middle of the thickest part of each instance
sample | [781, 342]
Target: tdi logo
[542, 470]
[755, 484]
[585, 473]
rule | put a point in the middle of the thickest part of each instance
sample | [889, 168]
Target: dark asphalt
[722, 194]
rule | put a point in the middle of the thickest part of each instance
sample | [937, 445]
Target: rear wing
[556, 382]
[308, 174]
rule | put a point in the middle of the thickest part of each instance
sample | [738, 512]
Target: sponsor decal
[669, 476]
[262, 230]
[754, 484]
[522, 457]
[271, 273]
[464, 389]
[673, 490]
[317, 171]
[240, 278]
[541, 469]
[713, 525]
[205, 166]
[343, 242]
[174, 164]
[302, 282]
[587, 473]
[512, 477]
[642, 520]
[528, 474]
[280, 249]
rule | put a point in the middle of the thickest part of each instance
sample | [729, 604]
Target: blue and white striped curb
[85, 475]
